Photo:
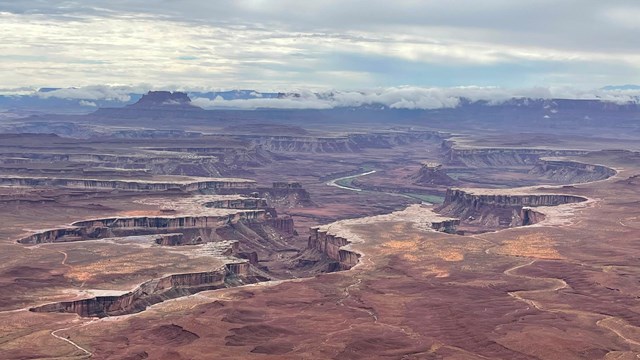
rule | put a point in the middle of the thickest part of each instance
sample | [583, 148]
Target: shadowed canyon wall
[331, 246]
[109, 227]
[571, 171]
[500, 211]
[153, 292]
[125, 184]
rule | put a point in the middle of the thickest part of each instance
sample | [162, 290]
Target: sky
[278, 45]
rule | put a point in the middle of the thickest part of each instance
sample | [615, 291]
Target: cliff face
[172, 222]
[246, 203]
[448, 226]
[571, 171]
[488, 157]
[283, 224]
[153, 292]
[129, 185]
[155, 99]
[280, 194]
[154, 104]
[101, 228]
[499, 211]
[331, 246]
[433, 174]
[303, 144]
[347, 143]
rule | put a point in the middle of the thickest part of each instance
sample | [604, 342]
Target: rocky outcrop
[389, 139]
[529, 216]
[332, 247]
[157, 105]
[283, 224]
[336, 144]
[500, 211]
[142, 225]
[496, 157]
[281, 194]
[171, 239]
[128, 185]
[563, 171]
[171, 222]
[244, 203]
[432, 174]
[155, 99]
[306, 144]
[66, 234]
[448, 226]
[153, 292]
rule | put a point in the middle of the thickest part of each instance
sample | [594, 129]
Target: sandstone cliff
[495, 157]
[571, 171]
[279, 195]
[500, 211]
[331, 246]
[153, 292]
[243, 203]
[129, 185]
[336, 144]
[142, 225]
[432, 174]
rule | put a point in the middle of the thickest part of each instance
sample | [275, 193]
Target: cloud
[87, 103]
[413, 98]
[263, 103]
[98, 92]
[283, 44]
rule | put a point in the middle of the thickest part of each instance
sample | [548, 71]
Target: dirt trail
[87, 354]
[610, 323]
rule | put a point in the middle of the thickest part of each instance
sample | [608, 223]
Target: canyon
[153, 292]
[162, 230]
[495, 209]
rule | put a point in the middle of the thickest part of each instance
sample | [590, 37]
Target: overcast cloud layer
[286, 44]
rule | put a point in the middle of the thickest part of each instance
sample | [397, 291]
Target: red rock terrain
[325, 251]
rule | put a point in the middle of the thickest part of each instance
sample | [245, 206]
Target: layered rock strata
[335, 144]
[332, 246]
[571, 171]
[129, 185]
[449, 226]
[283, 224]
[154, 291]
[241, 203]
[280, 194]
[495, 157]
[143, 225]
[432, 174]
[495, 210]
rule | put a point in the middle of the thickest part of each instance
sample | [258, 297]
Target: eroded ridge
[193, 184]
[494, 209]
[197, 226]
[155, 291]
[486, 157]
[335, 240]
[567, 171]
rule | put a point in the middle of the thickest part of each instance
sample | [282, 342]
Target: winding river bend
[335, 182]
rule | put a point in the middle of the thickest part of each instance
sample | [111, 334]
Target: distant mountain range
[621, 87]
[88, 100]
[58, 101]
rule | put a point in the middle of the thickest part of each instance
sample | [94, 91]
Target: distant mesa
[433, 174]
[160, 99]
[155, 105]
